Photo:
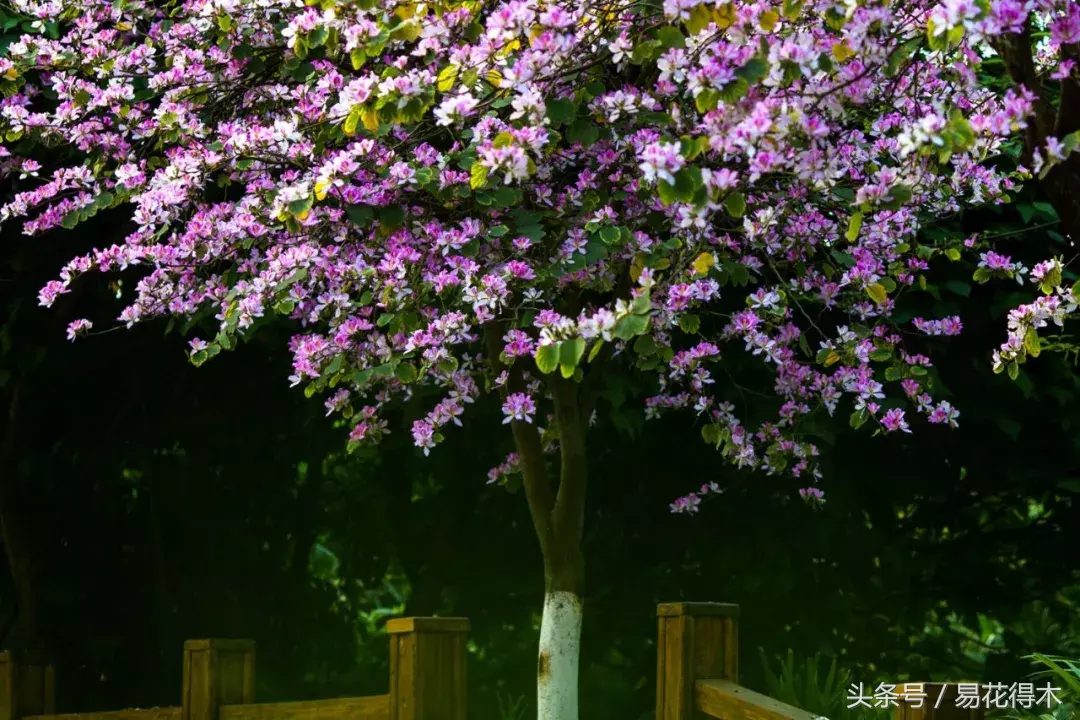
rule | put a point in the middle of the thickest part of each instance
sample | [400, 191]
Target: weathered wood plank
[376, 707]
[696, 641]
[427, 668]
[725, 700]
[158, 713]
[427, 624]
[25, 689]
[216, 672]
[698, 609]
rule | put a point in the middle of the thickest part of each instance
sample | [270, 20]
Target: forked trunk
[560, 648]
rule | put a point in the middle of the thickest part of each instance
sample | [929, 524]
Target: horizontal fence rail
[427, 682]
[724, 699]
[376, 707]
[697, 675]
[162, 713]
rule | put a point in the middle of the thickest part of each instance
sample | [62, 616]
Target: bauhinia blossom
[522, 197]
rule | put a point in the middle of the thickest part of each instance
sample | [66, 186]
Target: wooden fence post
[697, 641]
[216, 673]
[25, 689]
[427, 668]
[938, 702]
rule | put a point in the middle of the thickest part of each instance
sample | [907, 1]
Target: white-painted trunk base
[560, 648]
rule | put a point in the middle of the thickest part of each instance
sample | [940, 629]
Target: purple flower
[78, 328]
[894, 420]
[520, 407]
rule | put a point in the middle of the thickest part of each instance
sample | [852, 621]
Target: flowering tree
[517, 197]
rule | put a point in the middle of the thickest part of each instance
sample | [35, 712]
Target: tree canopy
[660, 180]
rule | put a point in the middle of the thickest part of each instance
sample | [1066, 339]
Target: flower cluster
[474, 197]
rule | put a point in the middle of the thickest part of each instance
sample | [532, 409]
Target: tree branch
[537, 484]
[1015, 52]
[1068, 116]
[569, 514]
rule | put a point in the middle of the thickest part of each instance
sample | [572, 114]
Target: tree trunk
[1062, 183]
[558, 517]
[564, 567]
[560, 647]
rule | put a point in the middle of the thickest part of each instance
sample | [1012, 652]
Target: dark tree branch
[537, 484]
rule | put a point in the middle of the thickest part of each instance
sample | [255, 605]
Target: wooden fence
[696, 679]
[697, 674]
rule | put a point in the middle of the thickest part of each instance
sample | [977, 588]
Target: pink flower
[893, 420]
[77, 328]
[520, 407]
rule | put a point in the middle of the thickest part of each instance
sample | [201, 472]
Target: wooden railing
[696, 678]
[697, 674]
[427, 682]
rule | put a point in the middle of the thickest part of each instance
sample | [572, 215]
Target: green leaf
[352, 120]
[645, 345]
[670, 37]
[547, 358]
[360, 214]
[900, 193]
[1032, 343]
[392, 217]
[854, 225]
[447, 77]
[571, 351]
[610, 234]
[666, 191]
[561, 111]
[478, 176]
[735, 204]
[707, 100]
[753, 71]
[583, 131]
[858, 418]
[877, 293]
[631, 325]
[298, 208]
[334, 365]
[690, 323]
[734, 90]
[406, 373]
[644, 51]
[595, 350]
[641, 304]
